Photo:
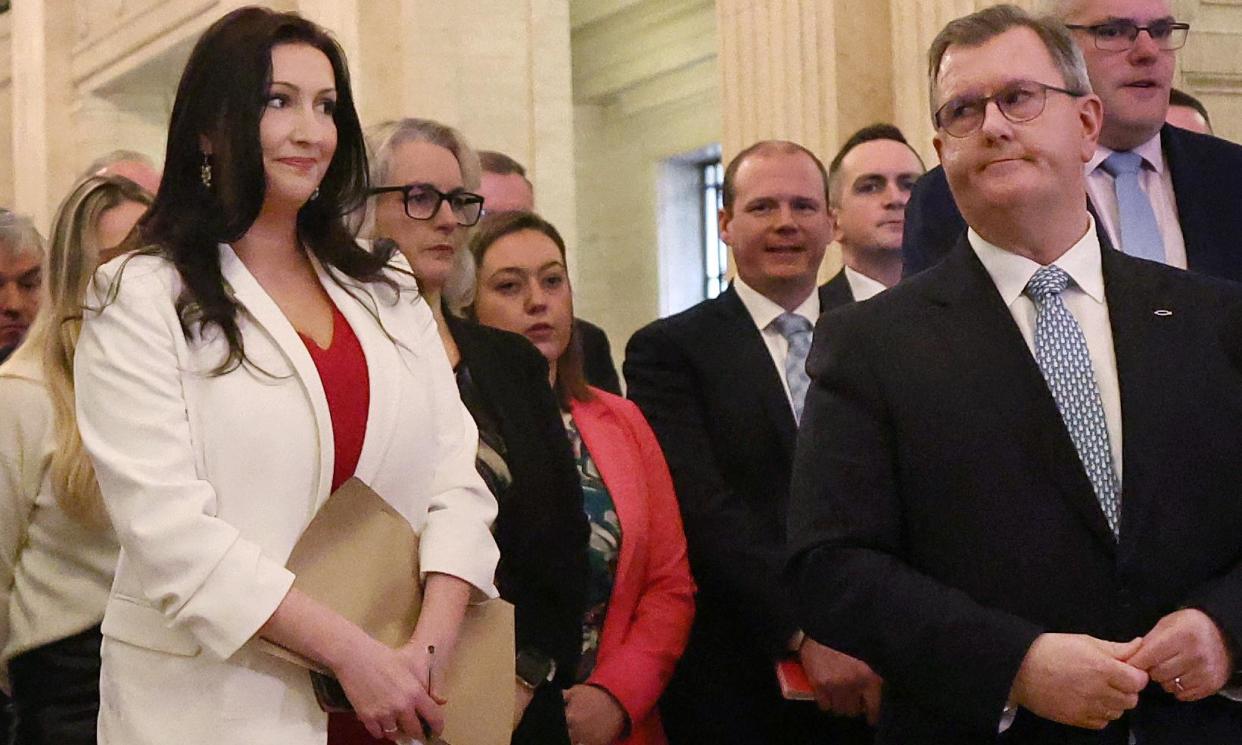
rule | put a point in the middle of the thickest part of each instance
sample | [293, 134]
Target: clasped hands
[1086, 682]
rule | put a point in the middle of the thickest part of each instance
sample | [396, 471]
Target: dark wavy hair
[571, 383]
[221, 99]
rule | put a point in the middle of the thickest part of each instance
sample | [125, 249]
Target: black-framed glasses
[1019, 101]
[1120, 35]
[422, 202]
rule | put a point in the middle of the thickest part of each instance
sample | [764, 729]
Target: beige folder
[359, 556]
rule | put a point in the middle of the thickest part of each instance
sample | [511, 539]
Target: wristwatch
[534, 668]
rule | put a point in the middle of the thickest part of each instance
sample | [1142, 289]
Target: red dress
[343, 372]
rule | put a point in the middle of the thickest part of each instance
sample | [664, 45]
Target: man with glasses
[1011, 497]
[1158, 192]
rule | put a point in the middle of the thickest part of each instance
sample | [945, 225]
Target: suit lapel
[361, 309]
[1141, 341]
[268, 317]
[755, 366]
[975, 324]
[1192, 216]
[835, 293]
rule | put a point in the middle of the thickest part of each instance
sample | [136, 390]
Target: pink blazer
[652, 603]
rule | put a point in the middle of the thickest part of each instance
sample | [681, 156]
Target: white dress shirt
[763, 311]
[862, 287]
[1156, 181]
[1084, 298]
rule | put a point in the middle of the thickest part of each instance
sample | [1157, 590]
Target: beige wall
[645, 87]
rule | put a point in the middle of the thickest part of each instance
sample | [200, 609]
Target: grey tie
[1061, 352]
[797, 331]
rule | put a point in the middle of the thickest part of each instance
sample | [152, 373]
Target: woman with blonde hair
[422, 172]
[57, 549]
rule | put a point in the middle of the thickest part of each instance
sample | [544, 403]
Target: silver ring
[389, 731]
[1178, 682]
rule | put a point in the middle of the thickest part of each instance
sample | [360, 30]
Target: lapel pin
[1163, 313]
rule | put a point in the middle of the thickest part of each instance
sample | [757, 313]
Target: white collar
[1150, 151]
[764, 310]
[1011, 272]
[862, 287]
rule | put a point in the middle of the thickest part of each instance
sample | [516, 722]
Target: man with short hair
[21, 270]
[1157, 191]
[1012, 496]
[869, 184]
[1188, 112]
[505, 188]
[722, 385]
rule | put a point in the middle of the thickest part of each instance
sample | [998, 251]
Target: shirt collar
[1151, 152]
[764, 311]
[862, 287]
[1011, 272]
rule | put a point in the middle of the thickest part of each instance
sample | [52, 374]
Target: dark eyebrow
[323, 92]
[32, 272]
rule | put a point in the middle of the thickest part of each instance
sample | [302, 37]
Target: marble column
[42, 105]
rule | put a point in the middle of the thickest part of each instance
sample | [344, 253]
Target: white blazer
[210, 480]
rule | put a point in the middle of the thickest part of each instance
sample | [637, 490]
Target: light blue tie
[797, 331]
[1140, 233]
[1061, 352]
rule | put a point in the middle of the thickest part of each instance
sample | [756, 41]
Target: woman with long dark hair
[233, 374]
[57, 549]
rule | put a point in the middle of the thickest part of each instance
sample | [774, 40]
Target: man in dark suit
[505, 187]
[1188, 183]
[869, 183]
[1012, 496]
[722, 384]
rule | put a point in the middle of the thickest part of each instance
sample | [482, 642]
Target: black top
[598, 366]
[540, 528]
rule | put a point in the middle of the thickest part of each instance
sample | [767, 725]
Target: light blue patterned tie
[1061, 352]
[797, 331]
[1140, 234]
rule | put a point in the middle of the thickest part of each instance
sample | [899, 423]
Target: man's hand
[1186, 654]
[1078, 680]
[842, 684]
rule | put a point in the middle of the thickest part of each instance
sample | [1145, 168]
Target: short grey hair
[382, 141]
[19, 237]
[982, 26]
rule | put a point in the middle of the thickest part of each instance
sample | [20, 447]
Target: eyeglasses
[1120, 35]
[422, 202]
[1020, 101]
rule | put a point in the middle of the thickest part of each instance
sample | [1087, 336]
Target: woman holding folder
[235, 372]
[640, 599]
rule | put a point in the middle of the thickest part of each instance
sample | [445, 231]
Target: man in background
[1188, 112]
[21, 271]
[722, 385]
[869, 183]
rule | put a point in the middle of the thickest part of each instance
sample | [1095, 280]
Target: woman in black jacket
[421, 172]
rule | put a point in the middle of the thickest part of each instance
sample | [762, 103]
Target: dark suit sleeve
[600, 370]
[728, 558]
[933, 223]
[856, 590]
